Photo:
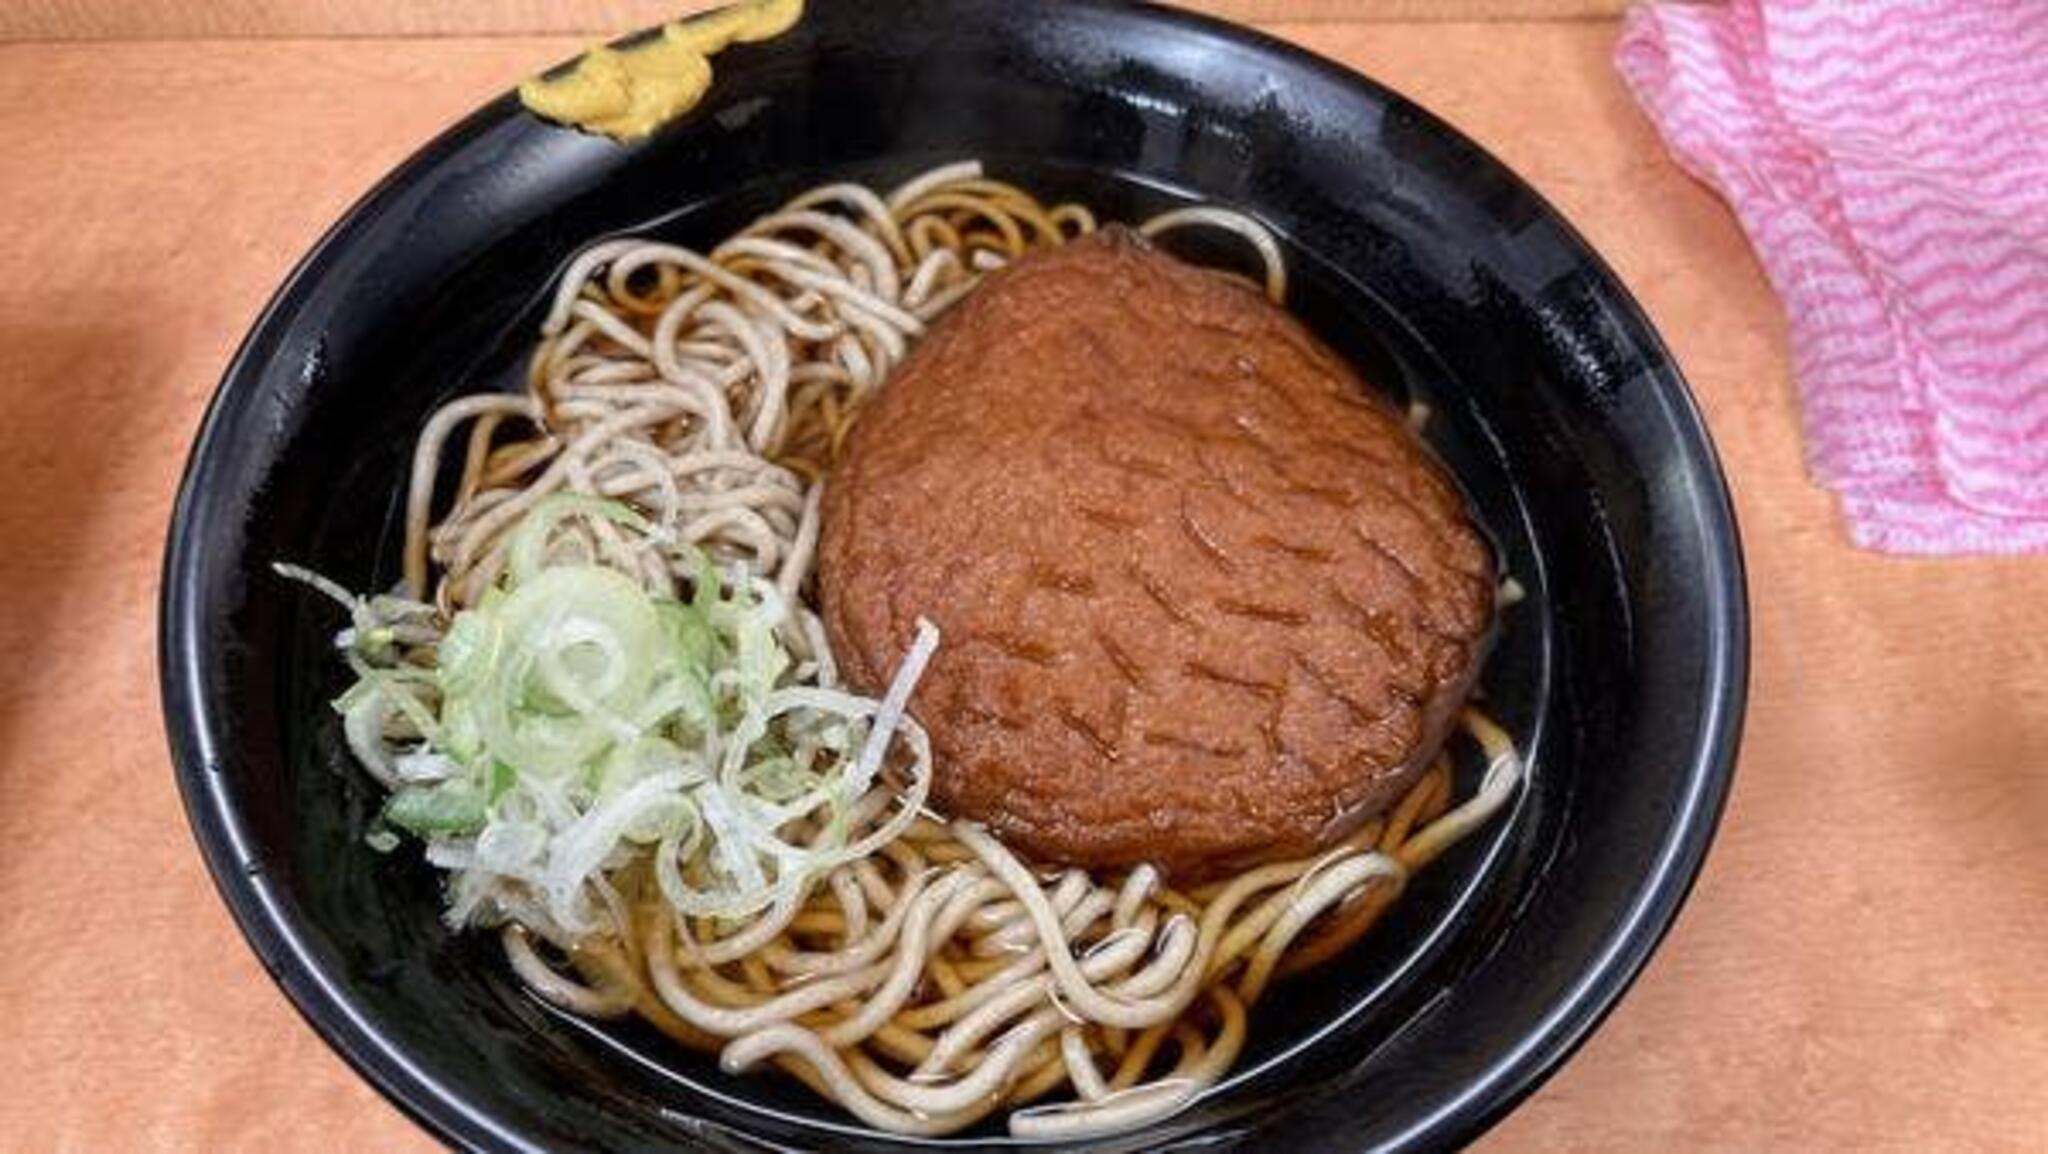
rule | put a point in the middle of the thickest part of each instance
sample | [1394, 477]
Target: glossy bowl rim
[1519, 1067]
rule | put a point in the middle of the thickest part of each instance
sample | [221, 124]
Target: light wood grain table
[1862, 965]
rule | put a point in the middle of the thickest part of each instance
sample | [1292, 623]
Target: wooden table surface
[1861, 965]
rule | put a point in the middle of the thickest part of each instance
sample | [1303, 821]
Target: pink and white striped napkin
[1889, 161]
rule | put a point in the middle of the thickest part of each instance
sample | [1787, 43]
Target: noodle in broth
[939, 978]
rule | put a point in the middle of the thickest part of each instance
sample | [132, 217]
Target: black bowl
[1414, 253]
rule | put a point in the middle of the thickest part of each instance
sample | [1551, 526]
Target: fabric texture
[1889, 162]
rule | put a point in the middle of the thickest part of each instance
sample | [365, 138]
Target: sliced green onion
[571, 723]
[452, 807]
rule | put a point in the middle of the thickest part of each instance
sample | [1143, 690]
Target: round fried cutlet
[1204, 599]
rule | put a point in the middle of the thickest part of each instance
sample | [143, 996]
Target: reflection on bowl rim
[194, 725]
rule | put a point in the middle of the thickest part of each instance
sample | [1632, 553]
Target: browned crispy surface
[1204, 599]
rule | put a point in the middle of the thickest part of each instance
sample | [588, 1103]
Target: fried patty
[1205, 600]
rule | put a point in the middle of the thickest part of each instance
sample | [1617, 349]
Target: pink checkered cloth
[1889, 161]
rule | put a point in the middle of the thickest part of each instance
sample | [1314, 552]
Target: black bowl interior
[1429, 265]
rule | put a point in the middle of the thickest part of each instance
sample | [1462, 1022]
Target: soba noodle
[939, 978]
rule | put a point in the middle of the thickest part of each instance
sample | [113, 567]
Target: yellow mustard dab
[626, 93]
